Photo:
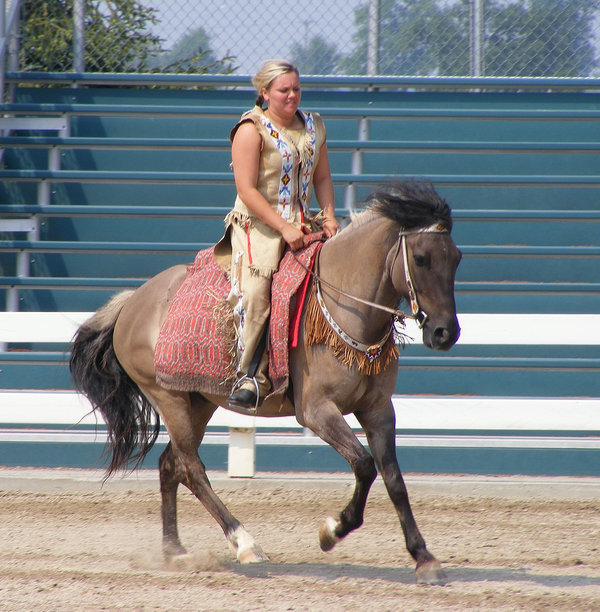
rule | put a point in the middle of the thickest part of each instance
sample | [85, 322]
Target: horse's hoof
[432, 573]
[327, 537]
[246, 550]
[252, 555]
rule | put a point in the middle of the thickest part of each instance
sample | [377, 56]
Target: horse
[398, 247]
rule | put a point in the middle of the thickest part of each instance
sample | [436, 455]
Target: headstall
[420, 316]
[373, 351]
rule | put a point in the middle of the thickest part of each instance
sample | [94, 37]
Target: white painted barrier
[489, 328]
[413, 413]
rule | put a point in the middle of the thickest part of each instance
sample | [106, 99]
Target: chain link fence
[517, 38]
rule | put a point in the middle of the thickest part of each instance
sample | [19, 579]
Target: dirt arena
[69, 547]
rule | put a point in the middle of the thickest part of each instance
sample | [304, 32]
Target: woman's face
[283, 95]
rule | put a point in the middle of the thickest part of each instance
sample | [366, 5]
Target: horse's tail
[132, 422]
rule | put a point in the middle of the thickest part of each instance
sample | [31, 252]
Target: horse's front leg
[325, 420]
[380, 428]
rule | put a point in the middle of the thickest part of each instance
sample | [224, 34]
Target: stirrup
[238, 384]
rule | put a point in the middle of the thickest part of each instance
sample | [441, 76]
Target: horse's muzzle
[441, 336]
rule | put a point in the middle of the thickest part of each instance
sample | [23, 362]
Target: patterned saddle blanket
[195, 350]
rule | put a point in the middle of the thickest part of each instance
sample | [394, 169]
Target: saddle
[195, 350]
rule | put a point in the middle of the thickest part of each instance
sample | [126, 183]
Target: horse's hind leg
[186, 423]
[169, 483]
[379, 427]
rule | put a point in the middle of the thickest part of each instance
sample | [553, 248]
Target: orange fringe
[318, 331]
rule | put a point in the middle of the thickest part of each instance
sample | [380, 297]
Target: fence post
[79, 36]
[476, 37]
[241, 453]
[373, 38]
[2, 48]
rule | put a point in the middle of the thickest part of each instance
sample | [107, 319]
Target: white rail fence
[28, 407]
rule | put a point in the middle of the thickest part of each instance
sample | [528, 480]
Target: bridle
[419, 315]
[398, 316]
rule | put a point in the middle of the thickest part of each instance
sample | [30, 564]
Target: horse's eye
[420, 260]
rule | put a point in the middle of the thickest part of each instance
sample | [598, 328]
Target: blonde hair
[270, 70]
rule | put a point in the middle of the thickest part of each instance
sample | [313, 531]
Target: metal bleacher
[138, 179]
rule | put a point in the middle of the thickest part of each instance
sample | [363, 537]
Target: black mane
[411, 204]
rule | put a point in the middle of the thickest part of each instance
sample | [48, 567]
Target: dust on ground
[101, 550]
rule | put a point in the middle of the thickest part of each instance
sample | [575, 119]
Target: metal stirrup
[241, 381]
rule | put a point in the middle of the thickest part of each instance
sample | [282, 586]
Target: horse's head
[423, 272]
[423, 265]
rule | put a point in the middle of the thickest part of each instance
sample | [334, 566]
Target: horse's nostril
[442, 338]
[441, 334]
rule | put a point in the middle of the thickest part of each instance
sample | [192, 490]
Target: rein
[398, 316]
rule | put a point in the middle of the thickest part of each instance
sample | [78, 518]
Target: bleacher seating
[139, 180]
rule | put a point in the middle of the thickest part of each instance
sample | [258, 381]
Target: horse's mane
[411, 204]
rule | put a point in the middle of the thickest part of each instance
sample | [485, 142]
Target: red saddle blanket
[196, 343]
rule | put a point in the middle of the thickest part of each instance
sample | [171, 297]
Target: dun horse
[398, 248]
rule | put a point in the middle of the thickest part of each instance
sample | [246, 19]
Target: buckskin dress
[285, 178]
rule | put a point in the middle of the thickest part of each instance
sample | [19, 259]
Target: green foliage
[192, 54]
[316, 56]
[541, 38]
[521, 38]
[116, 35]
[118, 38]
[408, 37]
[47, 35]
[416, 37]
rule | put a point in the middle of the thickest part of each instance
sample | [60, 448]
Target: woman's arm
[245, 155]
[323, 186]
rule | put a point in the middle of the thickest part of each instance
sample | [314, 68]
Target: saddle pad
[196, 344]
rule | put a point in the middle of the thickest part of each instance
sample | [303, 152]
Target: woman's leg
[250, 298]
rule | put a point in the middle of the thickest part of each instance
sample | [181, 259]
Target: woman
[279, 155]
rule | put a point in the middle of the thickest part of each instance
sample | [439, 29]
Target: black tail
[132, 422]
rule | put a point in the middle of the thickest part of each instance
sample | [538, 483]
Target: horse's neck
[355, 263]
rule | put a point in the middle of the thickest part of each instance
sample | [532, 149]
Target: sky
[256, 31]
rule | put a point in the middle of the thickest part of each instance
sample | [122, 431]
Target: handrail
[218, 212]
[217, 144]
[408, 361]
[235, 110]
[70, 282]
[310, 81]
[107, 210]
[64, 246]
[226, 178]
[67, 246]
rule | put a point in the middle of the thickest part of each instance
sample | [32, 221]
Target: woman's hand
[293, 237]
[330, 227]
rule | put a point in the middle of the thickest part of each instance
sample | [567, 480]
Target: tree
[521, 38]
[118, 38]
[409, 33]
[192, 53]
[541, 38]
[316, 56]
